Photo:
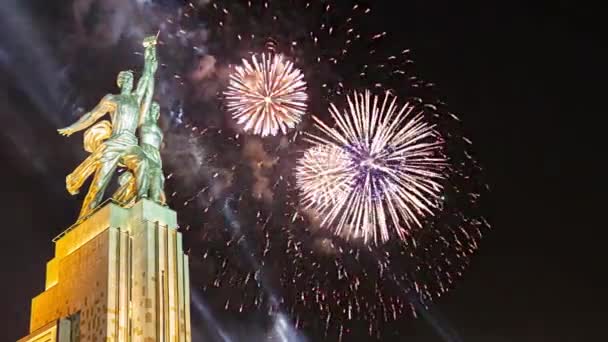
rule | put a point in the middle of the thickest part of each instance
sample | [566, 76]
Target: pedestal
[120, 275]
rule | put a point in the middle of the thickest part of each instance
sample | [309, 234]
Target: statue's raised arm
[145, 86]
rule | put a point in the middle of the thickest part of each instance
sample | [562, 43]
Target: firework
[267, 96]
[332, 285]
[320, 175]
[388, 168]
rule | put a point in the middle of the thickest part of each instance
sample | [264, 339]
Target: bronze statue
[115, 144]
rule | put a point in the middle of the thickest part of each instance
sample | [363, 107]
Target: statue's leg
[127, 191]
[157, 184]
[98, 185]
[136, 161]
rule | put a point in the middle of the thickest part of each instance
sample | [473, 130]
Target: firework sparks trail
[267, 95]
[386, 166]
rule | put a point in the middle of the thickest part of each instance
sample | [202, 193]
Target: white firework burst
[378, 170]
[320, 175]
[267, 95]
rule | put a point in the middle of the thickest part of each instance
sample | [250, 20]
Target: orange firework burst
[268, 95]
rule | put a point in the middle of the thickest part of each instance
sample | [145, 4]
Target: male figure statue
[122, 145]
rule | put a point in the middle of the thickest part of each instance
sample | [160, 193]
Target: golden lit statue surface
[115, 144]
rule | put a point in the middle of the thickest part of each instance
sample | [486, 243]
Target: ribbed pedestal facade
[120, 275]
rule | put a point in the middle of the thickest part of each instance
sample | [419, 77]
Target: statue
[114, 144]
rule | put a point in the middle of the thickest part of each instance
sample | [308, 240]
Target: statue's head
[125, 81]
[154, 111]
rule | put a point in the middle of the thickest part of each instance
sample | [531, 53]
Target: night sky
[525, 79]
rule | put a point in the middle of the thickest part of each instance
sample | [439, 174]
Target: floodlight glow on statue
[115, 144]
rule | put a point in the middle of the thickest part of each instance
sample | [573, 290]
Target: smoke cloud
[260, 163]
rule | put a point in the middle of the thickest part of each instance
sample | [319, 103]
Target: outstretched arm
[107, 104]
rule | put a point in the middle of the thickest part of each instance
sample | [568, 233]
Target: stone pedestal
[119, 275]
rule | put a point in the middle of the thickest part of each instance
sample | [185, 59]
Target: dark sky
[526, 79]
